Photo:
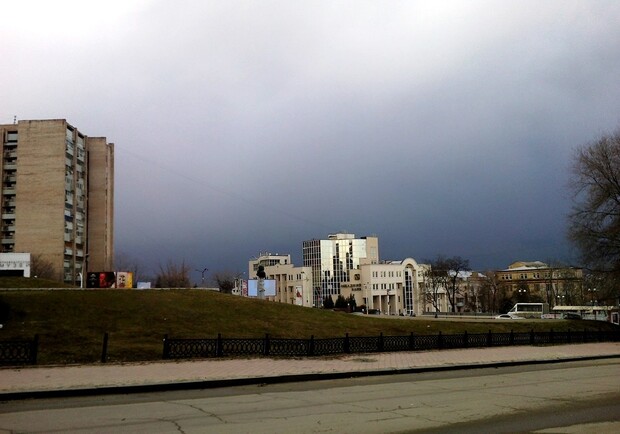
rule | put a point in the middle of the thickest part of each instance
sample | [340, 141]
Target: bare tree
[225, 281]
[173, 275]
[491, 287]
[594, 223]
[452, 269]
[125, 262]
[434, 285]
[42, 268]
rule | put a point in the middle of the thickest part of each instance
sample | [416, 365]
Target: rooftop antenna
[14, 119]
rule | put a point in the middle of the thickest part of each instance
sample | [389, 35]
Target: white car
[507, 316]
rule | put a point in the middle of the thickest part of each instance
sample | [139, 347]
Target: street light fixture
[592, 292]
[202, 274]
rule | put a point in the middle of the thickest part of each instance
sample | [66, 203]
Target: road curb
[293, 378]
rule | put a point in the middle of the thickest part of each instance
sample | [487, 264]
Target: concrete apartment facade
[58, 197]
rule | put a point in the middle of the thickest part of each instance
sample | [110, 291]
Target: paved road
[584, 395]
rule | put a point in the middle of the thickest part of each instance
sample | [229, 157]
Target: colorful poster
[124, 279]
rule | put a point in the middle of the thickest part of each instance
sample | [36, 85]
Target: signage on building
[299, 299]
[15, 263]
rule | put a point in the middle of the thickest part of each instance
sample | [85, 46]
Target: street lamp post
[592, 292]
[202, 275]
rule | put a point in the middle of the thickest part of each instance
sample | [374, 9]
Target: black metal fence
[269, 346]
[19, 352]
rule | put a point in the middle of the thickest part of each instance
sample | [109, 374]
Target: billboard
[109, 279]
[124, 279]
[270, 288]
[100, 279]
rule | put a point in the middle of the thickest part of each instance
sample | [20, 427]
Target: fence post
[311, 346]
[104, 348]
[511, 340]
[532, 337]
[465, 340]
[440, 340]
[166, 354]
[380, 343]
[34, 350]
[411, 342]
[266, 349]
[568, 337]
[346, 344]
[551, 336]
[600, 334]
[219, 346]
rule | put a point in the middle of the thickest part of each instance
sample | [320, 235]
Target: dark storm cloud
[240, 127]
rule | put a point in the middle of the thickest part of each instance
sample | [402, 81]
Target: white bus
[529, 310]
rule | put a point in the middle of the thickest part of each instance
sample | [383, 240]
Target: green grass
[29, 283]
[71, 323]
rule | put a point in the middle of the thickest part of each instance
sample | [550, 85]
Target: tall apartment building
[57, 196]
[333, 259]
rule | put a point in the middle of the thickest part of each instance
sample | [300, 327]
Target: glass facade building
[333, 259]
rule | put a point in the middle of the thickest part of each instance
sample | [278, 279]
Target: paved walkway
[48, 381]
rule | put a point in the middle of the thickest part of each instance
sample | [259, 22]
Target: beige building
[293, 284]
[537, 281]
[58, 197]
[394, 287]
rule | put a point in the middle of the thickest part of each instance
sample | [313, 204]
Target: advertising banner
[101, 279]
[270, 288]
[124, 279]
[299, 299]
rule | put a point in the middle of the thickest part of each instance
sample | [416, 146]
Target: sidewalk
[30, 382]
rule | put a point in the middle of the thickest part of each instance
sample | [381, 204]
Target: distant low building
[538, 281]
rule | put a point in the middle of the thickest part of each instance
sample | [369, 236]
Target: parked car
[571, 315]
[374, 312]
[507, 316]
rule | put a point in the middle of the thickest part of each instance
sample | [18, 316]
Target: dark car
[572, 315]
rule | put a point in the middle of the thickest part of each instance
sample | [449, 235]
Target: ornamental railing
[280, 347]
[19, 352]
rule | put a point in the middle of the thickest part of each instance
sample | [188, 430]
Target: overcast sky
[442, 127]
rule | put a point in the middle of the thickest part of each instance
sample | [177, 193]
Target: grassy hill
[71, 323]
